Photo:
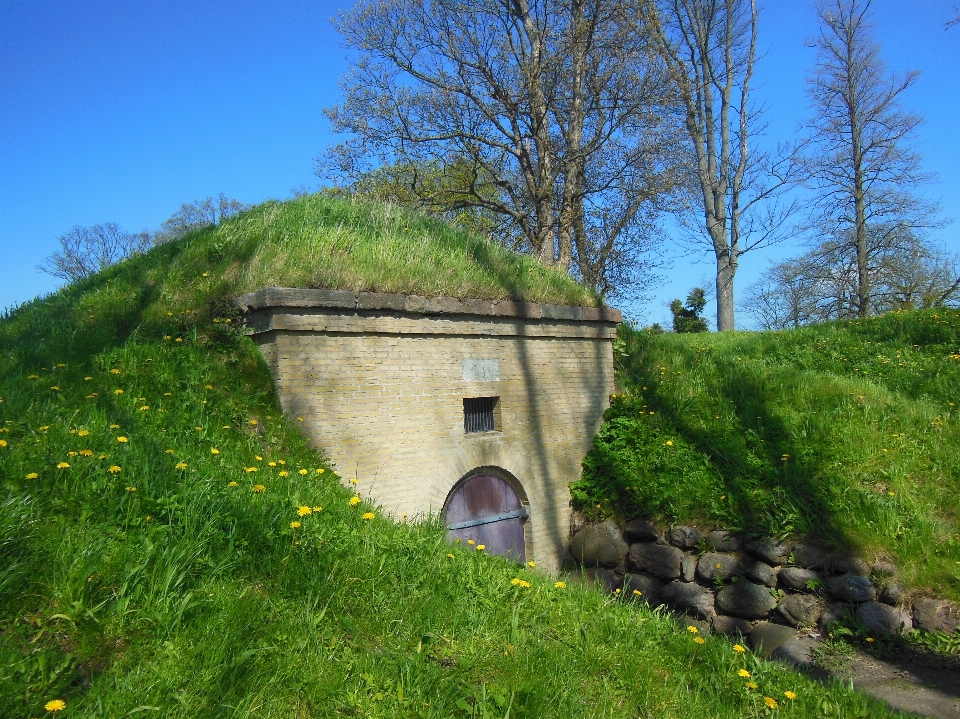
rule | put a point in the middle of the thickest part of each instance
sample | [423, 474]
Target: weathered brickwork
[381, 391]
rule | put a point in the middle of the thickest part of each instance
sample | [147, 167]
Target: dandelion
[451, 556]
[790, 695]
[122, 440]
[744, 673]
[63, 465]
[299, 419]
[118, 391]
[280, 461]
[179, 339]
[271, 464]
[470, 542]
[34, 376]
[114, 371]
[515, 581]
[253, 421]
[259, 488]
[751, 685]
[700, 640]
[168, 451]
[531, 564]
[181, 465]
[870, 640]
[304, 511]
[131, 489]
[770, 702]
[249, 469]
[55, 705]
[232, 484]
[353, 481]
[481, 547]
[693, 630]
[637, 593]
[55, 388]
[259, 458]
[144, 408]
[319, 470]
[199, 429]
[560, 585]
[669, 441]
[284, 473]
[739, 648]
[71, 454]
[522, 583]
[102, 456]
[214, 450]
[113, 469]
[354, 501]
[295, 524]
[114, 426]
[317, 509]
[167, 394]
[3, 443]
[43, 429]
[209, 386]
[370, 515]
[83, 433]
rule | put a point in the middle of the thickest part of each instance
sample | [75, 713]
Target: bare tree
[555, 116]
[858, 155]
[197, 215]
[85, 251]
[710, 48]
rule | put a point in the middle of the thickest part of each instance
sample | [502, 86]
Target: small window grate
[478, 415]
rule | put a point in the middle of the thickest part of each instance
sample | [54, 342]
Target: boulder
[834, 613]
[883, 620]
[768, 550]
[853, 588]
[598, 545]
[883, 569]
[598, 577]
[731, 626]
[892, 593]
[684, 537]
[934, 615]
[809, 556]
[797, 652]
[656, 559]
[650, 588]
[800, 610]
[690, 598]
[714, 565]
[688, 567]
[640, 530]
[767, 637]
[720, 541]
[762, 574]
[746, 600]
[848, 564]
[796, 578]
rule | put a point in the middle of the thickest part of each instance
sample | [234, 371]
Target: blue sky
[117, 111]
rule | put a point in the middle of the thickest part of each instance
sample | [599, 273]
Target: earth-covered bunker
[479, 410]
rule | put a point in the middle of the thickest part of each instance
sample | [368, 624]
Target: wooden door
[485, 508]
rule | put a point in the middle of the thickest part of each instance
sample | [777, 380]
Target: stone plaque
[481, 370]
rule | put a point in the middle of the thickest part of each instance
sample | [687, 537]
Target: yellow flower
[370, 515]
[144, 408]
[33, 376]
[531, 564]
[271, 464]
[209, 386]
[118, 391]
[249, 469]
[199, 429]
[179, 339]
[790, 695]
[693, 630]
[470, 542]
[214, 450]
[32, 475]
[253, 421]
[55, 388]
[83, 433]
[700, 640]
[319, 471]
[87, 379]
[751, 685]
[122, 440]
[299, 419]
[114, 426]
[481, 547]
[739, 648]
[304, 511]
[131, 489]
[284, 473]
[353, 481]
[231, 484]
[318, 509]
[55, 705]
[113, 469]
[744, 673]
[354, 501]
[770, 702]
[295, 525]
[167, 394]
[63, 465]
[303, 471]
[451, 556]
[870, 639]
[637, 593]
[114, 371]
[102, 456]
[259, 458]
[43, 429]
[258, 488]
[560, 585]
[280, 461]
[181, 465]
[3, 443]
[669, 442]
[168, 451]
[521, 583]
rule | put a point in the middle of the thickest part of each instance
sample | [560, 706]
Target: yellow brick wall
[382, 394]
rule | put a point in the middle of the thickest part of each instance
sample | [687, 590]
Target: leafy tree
[858, 155]
[686, 317]
[555, 117]
[197, 215]
[710, 49]
[85, 251]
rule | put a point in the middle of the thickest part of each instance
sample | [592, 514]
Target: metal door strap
[490, 520]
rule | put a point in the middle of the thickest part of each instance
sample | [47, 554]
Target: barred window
[478, 414]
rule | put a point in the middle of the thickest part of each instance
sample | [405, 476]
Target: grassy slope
[162, 587]
[845, 433]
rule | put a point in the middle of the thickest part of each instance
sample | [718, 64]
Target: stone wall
[379, 382]
[762, 589]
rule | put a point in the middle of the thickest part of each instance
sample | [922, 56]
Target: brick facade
[380, 382]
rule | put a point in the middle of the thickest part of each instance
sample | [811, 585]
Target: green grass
[159, 589]
[846, 434]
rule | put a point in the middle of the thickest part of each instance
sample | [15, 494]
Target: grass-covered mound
[846, 433]
[169, 547]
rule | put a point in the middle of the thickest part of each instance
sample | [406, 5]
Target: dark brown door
[485, 508]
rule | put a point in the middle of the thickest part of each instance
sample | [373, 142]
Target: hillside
[846, 434]
[170, 545]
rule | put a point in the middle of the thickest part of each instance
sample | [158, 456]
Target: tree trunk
[726, 269]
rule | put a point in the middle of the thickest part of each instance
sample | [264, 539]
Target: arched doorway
[486, 509]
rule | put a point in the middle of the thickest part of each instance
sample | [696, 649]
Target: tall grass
[844, 434]
[157, 576]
